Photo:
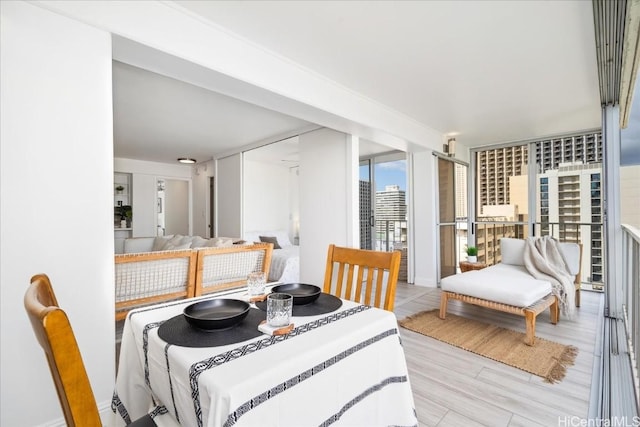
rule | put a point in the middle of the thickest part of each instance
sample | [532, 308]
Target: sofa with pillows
[175, 242]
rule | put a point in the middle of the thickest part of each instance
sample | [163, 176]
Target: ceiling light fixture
[186, 160]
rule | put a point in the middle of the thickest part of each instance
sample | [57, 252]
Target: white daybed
[285, 262]
[509, 287]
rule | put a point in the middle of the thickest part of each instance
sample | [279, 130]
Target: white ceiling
[486, 71]
[157, 118]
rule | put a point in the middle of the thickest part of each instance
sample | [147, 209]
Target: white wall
[176, 207]
[229, 196]
[266, 197]
[143, 205]
[57, 200]
[294, 203]
[326, 166]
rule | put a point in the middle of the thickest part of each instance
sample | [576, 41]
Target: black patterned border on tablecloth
[220, 359]
[368, 392]
[309, 373]
[173, 399]
[145, 348]
[118, 408]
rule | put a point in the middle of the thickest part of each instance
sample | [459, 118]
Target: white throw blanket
[543, 260]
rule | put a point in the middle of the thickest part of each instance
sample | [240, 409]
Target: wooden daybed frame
[529, 313]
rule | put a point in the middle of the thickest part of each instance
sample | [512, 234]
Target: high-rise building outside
[568, 190]
[461, 191]
[391, 217]
[570, 210]
[365, 215]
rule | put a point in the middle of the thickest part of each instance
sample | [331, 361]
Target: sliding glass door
[452, 215]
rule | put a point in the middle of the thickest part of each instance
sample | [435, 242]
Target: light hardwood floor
[453, 387]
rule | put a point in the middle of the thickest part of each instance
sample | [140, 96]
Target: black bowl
[216, 314]
[302, 293]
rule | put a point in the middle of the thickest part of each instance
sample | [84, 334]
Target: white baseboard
[59, 422]
[427, 282]
[106, 415]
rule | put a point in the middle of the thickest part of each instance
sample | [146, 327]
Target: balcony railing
[392, 236]
[631, 292]
[589, 234]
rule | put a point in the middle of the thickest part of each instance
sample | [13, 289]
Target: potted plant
[472, 254]
[127, 213]
[119, 189]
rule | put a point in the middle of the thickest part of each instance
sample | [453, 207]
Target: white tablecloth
[342, 368]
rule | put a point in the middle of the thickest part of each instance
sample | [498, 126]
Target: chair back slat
[55, 335]
[359, 284]
[377, 271]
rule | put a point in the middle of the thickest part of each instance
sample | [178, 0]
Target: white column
[614, 295]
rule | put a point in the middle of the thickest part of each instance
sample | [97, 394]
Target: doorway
[212, 206]
[172, 207]
[383, 205]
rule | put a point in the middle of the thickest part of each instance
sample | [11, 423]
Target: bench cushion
[503, 283]
[512, 251]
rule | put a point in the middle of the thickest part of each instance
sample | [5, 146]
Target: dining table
[342, 363]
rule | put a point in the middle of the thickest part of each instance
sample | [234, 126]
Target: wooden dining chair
[53, 331]
[361, 274]
[228, 267]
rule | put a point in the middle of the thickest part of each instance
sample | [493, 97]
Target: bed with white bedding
[285, 262]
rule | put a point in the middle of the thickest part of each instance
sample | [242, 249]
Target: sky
[389, 173]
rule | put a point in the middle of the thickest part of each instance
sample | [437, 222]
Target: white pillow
[198, 242]
[512, 251]
[160, 242]
[219, 242]
[571, 254]
[173, 247]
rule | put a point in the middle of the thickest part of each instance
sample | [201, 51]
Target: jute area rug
[546, 359]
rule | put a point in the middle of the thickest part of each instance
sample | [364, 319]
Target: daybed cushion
[503, 283]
